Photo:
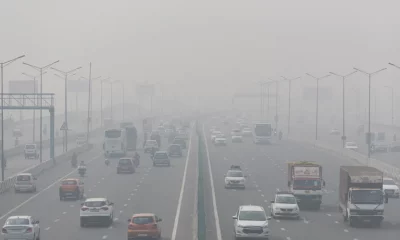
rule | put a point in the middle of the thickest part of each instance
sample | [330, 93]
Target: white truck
[361, 195]
[306, 183]
[379, 143]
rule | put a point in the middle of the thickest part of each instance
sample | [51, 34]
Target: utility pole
[289, 93]
[369, 105]
[90, 95]
[40, 69]
[36, 103]
[392, 91]
[2, 65]
[101, 99]
[66, 101]
[317, 102]
[343, 102]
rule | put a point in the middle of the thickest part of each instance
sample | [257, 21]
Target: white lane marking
[57, 220]
[225, 158]
[138, 185]
[71, 205]
[94, 186]
[98, 182]
[252, 159]
[90, 190]
[132, 194]
[129, 199]
[120, 211]
[259, 190]
[288, 238]
[336, 222]
[256, 186]
[305, 221]
[178, 208]
[262, 195]
[346, 230]
[277, 190]
[102, 178]
[355, 239]
[125, 205]
[105, 237]
[110, 227]
[234, 190]
[64, 212]
[328, 214]
[115, 219]
[47, 229]
[214, 201]
[278, 220]
[135, 189]
[45, 189]
[266, 202]
[283, 229]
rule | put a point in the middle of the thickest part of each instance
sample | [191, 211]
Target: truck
[306, 183]
[131, 138]
[361, 195]
[379, 142]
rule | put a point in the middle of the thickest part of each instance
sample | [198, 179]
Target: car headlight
[379, 212]
[296, 209]
[265, 225]
[240, 226]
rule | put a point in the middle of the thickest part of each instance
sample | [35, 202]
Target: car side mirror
[234, 217]
[37, 222]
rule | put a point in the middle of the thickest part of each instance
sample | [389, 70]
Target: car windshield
[143, 220]
[69, 182]
[95, 204]
[234, 174]
[286, 199]
[388, 182]
[366, 197]
[252, 216]
[30, 146]
[22, 178]
[17, 221]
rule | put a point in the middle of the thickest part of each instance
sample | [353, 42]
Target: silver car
[21, 227]
[161, 158]
[25, 182]
[251, 222]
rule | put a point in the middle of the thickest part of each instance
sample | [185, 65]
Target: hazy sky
[206, 48]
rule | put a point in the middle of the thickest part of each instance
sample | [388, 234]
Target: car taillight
[154, 226]
[28, 230]
[84, 208]
[104, 208]
[131, 226]
[4, 230]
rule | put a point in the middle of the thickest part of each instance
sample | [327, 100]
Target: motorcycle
[82, 170]
[107, 162]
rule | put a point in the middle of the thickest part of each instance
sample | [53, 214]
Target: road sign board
[64, 127]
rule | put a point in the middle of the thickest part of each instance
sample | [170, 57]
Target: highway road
[166, 191]
[266, 166]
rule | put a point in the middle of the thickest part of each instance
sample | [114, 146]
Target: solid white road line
[45, 189]
[216, 217]
[178, 209]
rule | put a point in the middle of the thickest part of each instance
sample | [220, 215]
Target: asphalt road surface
[165, 191]
[266, 166]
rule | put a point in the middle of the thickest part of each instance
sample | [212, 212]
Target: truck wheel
[351, 222]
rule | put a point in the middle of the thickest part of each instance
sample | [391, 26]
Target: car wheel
[82, 223]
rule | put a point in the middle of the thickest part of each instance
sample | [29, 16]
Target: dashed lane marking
[57, 220]
[135, 189]
[278, 220]
[288, 238]
[262, 195]
[336, 222]
[283, 229]
[94, 186]
[105, 237]
[328, 214]
[129, 199]
[259, 190]
[71, 205]
[125, 205]
[346, 230]
[64, 212]
[47, 229]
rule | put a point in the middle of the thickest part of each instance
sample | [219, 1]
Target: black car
[175, 150]
[180, 141]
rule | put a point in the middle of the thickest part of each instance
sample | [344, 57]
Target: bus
[114, 142]
[262, 133]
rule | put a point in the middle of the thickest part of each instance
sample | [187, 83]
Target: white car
[247, 132]
[351, 145]
[214, 135]
[251, 222]
[285, 205]
[220, 139]
[21, 227]
[96, 210]
[31, 151]
[390, 188]
[235, 179]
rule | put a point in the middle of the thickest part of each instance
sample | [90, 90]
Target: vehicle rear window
[18, 221]
[23, 178]
[125, 162]
[143, 220]
[69, 182]
[30, 146]
[161, 155]
[175, 147]
[95, 204]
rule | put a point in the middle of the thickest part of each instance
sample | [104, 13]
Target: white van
[25, 182]
[31, 151]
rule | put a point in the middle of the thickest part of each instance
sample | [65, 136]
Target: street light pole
[369, 105]
[2, 65]
[35, 102]
[392, 91]
[290, 90]
[40, 69]
[90, 79]
[66, 101]
[343, 107]
[101, 99]
[316, 112]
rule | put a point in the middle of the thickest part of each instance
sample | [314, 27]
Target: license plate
[142, 235]
[367, 220]
[94, 210]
